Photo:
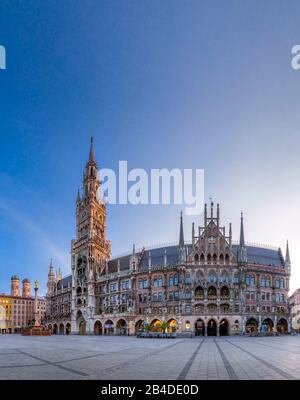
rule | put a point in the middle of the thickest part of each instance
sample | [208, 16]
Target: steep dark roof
[65, 282]
[264, 256]
[256, 255]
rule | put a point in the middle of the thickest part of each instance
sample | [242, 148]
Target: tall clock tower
[90, 250]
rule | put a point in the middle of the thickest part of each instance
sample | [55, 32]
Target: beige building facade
[17, 309]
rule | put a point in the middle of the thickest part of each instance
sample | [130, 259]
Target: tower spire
[92, 154]
[242, 249]
[51, 271]
[287, 255]
[181, 237]
[242, 238]
[78, 197]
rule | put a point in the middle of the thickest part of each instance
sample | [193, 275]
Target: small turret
[287, 263]
[133, 260]
[242, 249]
[51, 278]
[181, 247]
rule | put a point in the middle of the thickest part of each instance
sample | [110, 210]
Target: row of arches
[212, 328]
[60, 329]
[109, 328]
[267, 325]
[212, 258]
[212, 292]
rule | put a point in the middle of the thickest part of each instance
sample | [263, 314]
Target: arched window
[250, 280]
[282, 284]
[196, 258]
[199, 293]
[277, 283]
[212, 292]
[224, 292]
[176, 279]
[227, 259]
[214, 258]
[221, 258]
[202, 257]
[187, 278]
[211, 277]
[209, 258]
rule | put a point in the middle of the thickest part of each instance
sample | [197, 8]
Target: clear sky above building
[172, 84]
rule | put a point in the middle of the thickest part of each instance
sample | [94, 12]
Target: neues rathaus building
[209, 286]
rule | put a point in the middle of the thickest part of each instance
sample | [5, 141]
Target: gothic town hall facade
[209, 286]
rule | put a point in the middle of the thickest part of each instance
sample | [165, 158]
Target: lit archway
[199, 327]
[156, 325]
[251, 325]
[212, 328]
[267, 325]
[173, 325]
[282, 326]
[224, 327]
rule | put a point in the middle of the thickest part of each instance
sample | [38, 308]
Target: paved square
[117, 357]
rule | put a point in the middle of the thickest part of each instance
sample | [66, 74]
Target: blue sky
[174, 84]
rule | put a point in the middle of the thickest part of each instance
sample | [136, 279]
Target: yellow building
[5, 314]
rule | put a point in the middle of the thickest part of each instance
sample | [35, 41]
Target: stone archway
[55, 329]
[50, 328]
[251, 325]
[173, 325]
[224, 327]
[98, 328]
[282, 325]
[121, 327]
[139, 326]
[61, 329]
[82, 327]
[68, 328]
[267, 325]
[199, 327]
[211, 328]
[156, 325]
[109, 328]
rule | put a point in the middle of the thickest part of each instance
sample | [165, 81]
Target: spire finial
[181, 237]
[287, 254]
[78, 196]
[92, 155]
[242, 238]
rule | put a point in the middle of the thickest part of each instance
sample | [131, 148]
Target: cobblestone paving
[115, 357]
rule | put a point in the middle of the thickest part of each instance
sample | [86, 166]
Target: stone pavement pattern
[117, 357]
